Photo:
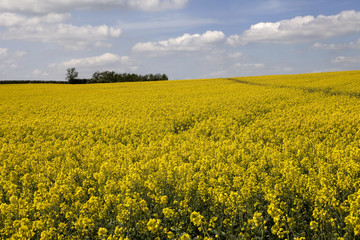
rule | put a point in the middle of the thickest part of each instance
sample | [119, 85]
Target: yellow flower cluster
[274, 157]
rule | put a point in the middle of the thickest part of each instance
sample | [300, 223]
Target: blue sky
[40, 39]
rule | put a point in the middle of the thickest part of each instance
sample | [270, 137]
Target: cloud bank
[324, 46]
[300, 29]
[97, 61]
[50, 28]
[10, 60]
[347, 61]
[186, 42]
[289, 31]
[3, 52]
[47, 6]
[106, 61]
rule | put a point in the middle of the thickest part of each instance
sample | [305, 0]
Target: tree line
[31, 81]
[112, 77]
[97, 77]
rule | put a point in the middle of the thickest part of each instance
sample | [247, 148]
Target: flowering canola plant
[273, 157]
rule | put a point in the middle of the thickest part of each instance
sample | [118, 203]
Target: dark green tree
[96, 77]
[71, 75]
[164, 77]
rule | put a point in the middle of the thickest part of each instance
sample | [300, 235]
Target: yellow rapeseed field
[273, 157]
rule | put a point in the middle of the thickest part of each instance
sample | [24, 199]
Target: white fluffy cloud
[46, 6]
[3, 52]
[39, 74]
[10, 60]
[9, 19]
[98, 61]
[300, 29]
[89, 65]
[50, 28]
[186, 42]
[250, 65]
[237, 69]
[324, 46]
[346, 60]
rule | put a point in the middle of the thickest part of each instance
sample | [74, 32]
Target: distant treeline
[113, 77]
[31, 81]
[98, 77]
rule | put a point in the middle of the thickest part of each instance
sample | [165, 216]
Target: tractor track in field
[327, 91]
